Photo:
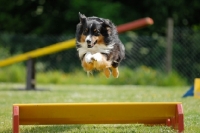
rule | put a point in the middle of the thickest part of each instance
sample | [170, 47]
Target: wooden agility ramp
[154, 113]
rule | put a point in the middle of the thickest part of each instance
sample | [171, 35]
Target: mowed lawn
[12, 93]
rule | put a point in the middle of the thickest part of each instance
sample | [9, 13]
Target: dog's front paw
[97, 57]
[88, 57]
[115, 72]
[107, 72]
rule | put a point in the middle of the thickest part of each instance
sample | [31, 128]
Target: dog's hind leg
[115, 72]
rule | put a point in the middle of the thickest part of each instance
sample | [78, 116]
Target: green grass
[10, 94]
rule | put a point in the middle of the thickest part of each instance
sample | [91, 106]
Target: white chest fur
[97, 48]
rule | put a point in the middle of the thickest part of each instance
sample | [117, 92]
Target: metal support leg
[30, 80]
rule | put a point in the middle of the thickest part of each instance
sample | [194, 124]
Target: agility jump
[154, 113]
[169, 114]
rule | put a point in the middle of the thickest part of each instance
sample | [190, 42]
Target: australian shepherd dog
[98, 45]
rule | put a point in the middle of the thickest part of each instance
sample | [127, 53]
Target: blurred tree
[51, 17]
[61, 16]
[184, 13]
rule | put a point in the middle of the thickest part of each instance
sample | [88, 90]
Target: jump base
[169, 114]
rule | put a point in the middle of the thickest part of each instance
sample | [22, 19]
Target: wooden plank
[96, 113]
[165, 113]
[137, 24]
[39, 52]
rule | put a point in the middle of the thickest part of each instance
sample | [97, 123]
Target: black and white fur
[98, 45]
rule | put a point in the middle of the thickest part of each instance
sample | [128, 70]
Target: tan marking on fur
[107, 72]
[87, 66]
[104, 64]
[108, 30]
[100, 40]
[82, 38]
[115, 72]
[94, 38]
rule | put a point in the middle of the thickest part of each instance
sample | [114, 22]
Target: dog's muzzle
[90, 44]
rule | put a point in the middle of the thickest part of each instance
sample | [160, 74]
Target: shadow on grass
[95, 128]
[76, 129]
[24, 89]
[50, 129]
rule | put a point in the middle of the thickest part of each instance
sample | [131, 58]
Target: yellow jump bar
[168, 113]
[39, 52]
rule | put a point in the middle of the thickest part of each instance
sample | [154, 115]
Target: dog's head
[93, 30]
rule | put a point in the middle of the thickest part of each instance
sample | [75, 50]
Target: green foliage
[14, 73]
[140, 76]
[186, 48]
[147, 76]
[52, 17]
[61, 16]
[143, 50]
[4, 53]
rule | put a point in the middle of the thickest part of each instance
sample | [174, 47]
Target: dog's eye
[85, 31]
[96, 32]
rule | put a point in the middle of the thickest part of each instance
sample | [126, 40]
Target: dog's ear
[107, 25]
[82, 18]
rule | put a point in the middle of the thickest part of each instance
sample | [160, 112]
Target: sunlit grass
[10, 94]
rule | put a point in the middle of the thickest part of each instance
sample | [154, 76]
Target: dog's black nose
[88, 41]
